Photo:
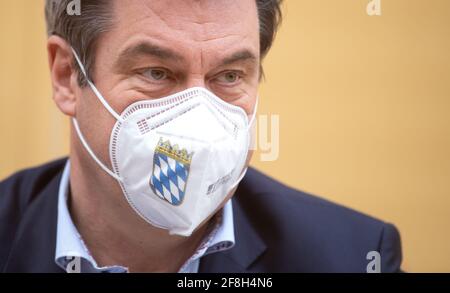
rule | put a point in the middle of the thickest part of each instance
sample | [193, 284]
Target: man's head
[138, 50]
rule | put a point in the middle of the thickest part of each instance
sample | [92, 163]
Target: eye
[155, 74]
[228, 78]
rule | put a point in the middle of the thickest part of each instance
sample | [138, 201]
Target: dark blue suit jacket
[277, 229]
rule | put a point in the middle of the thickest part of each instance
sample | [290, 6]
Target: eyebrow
[146, 48]
[242, 55]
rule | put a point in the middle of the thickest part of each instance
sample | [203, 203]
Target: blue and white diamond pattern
[169, 177]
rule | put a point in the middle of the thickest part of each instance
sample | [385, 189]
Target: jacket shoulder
[20, 188]
[319, 234]
[16, 194]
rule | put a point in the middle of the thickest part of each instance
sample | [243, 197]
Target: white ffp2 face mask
[176, 158]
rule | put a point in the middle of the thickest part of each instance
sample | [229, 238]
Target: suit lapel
[248, 247]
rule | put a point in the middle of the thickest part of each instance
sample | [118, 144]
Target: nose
[195, 81]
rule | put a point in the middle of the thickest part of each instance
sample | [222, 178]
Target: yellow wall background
[363, 102]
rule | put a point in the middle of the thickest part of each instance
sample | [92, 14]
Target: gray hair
[82, 31]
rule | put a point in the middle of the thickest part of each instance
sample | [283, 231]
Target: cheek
[248, 101]
[249, 157]
[96, 124]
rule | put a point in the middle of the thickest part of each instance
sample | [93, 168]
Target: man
[162, 95]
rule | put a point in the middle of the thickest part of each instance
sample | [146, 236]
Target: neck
[113, 232]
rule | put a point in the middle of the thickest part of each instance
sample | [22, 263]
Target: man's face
[157, 48]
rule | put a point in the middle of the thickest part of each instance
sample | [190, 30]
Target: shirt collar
[70, 245]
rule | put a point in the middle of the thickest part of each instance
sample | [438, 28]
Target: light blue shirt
[70, 246]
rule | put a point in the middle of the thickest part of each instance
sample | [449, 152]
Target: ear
[63, 74]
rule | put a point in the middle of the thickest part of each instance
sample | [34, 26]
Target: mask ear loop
[95, 90]
[86, 146]
[251, 127]
[255, 109]
[77, 127]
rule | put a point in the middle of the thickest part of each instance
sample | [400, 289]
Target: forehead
[192, 23]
